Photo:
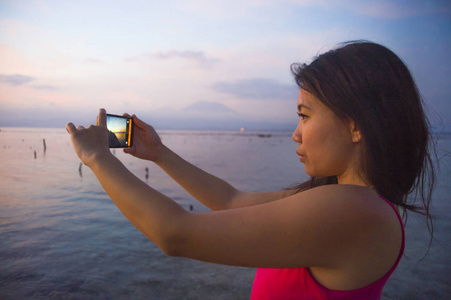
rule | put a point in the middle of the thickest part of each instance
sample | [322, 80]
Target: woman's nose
[297, 137]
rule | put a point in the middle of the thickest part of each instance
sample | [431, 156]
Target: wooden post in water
[45, 146]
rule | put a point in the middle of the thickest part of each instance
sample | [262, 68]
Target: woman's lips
[301, 157]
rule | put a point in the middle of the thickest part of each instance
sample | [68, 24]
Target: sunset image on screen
[119, 127]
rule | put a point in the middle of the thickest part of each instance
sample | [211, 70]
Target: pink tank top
[298, 283]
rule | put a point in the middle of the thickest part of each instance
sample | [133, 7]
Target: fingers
[138, 121]
[101, 118]
[126, 115]
[130, 150]
[70, 128]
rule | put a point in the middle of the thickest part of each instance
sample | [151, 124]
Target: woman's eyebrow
[300, 106]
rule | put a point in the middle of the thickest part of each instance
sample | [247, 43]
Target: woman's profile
[362, 136]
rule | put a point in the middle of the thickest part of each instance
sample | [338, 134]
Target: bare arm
[212, 191]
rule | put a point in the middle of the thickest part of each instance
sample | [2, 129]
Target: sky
[200, 64]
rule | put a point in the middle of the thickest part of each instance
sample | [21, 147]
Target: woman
[363, 138]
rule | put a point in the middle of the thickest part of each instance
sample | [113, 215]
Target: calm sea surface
[62, 238]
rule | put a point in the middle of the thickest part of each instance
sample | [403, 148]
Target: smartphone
[120, 131]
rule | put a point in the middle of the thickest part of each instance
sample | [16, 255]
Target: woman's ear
[355, 132]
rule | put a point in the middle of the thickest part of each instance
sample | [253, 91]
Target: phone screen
[120, 131]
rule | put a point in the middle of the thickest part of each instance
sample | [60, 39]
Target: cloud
[257, 88]
[16, 79]
[196, 56]
[19, 80]
[44, 87]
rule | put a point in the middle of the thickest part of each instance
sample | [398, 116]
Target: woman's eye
[302, 116]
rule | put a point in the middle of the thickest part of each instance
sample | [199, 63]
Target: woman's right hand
[146, 142]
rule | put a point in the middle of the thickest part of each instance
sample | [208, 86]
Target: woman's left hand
[92, 142]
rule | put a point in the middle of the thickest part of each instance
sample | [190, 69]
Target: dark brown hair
[367, 83]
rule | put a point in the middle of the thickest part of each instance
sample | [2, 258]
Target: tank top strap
[401, 252]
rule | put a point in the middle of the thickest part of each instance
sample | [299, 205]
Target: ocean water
[62, 238]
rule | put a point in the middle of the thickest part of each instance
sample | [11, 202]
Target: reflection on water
[61, 237]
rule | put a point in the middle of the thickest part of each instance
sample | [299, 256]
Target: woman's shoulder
[344, 189]
[350, 205]
[346, 194]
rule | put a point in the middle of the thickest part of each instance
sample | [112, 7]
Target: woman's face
[327, 146]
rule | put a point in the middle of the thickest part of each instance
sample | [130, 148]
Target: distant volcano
[209, 107]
